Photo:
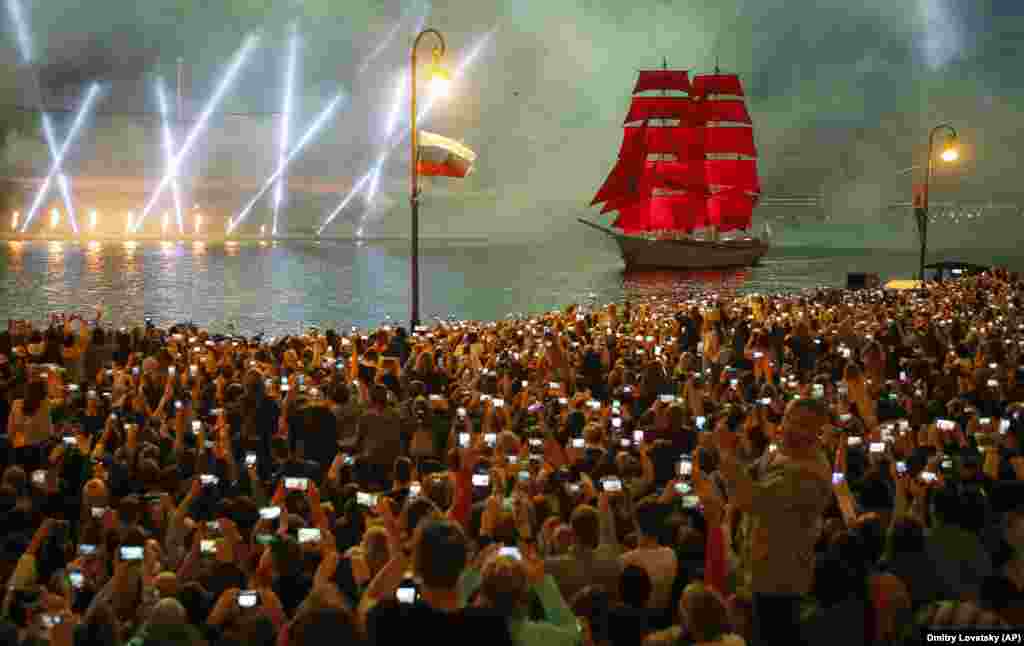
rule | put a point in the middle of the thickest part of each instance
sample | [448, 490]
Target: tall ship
[685, 184]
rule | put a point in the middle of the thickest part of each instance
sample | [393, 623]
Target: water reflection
[723, 280]
[279, 287]
[131, 265]
[55, 258]
[15, 255]
[94, 257]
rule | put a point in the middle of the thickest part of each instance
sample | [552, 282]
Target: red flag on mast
[918, 196]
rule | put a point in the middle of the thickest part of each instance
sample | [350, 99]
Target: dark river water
[280, 287]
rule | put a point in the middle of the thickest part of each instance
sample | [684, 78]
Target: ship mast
[664, 122]
[713, 229]
[671, 160]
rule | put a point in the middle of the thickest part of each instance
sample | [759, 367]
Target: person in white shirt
[659, 562]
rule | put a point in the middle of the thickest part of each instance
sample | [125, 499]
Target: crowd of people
[835, 467]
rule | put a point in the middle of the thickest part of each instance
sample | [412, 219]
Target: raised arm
[606, 519]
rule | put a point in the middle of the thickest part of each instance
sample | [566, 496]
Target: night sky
[842, 93]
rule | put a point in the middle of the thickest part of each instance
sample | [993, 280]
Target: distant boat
[687, 163]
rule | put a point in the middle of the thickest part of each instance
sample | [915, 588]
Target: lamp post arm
[922, 213]
[931, 152]
[414, 135]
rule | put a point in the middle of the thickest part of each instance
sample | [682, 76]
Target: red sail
[678, 80]
[732, 141]
[638, 219]
[663, 213]
[730, 210]
[682, 189]
[666, 175]
[689, 211]
[664, 107]
[679, 175]
[706, 84]
[618, 181]
[733, 173]
[685, 143]
[731, 110]
[625, 203]
[612, 184]
[651, 140]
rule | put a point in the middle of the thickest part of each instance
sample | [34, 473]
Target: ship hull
[642, 253]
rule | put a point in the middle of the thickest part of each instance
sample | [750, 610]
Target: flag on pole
[444, 157]
[918, 196]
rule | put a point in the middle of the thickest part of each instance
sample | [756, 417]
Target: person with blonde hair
[506, 584]
[703, 621]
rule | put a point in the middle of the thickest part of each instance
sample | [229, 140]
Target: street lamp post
[414, 193]
[950, 154]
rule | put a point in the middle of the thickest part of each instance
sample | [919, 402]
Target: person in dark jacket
[438, 559]
[254, 418]
[380, 438]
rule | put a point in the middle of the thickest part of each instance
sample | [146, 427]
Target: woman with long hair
[29, 426]
[255, 417]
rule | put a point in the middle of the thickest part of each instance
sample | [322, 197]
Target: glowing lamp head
[14, 220]
[93, 217]
[440, 79]
[950, 154]
[54, 218]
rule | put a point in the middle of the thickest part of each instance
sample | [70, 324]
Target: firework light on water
[389, 130]
[348, 198]
[62, 180]
[313, 129]
[76, 126]
[288, 110]
[286, 117]
[25, 48]
[473, 53]
[373, 180]
[168, 136]
[229, 77]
